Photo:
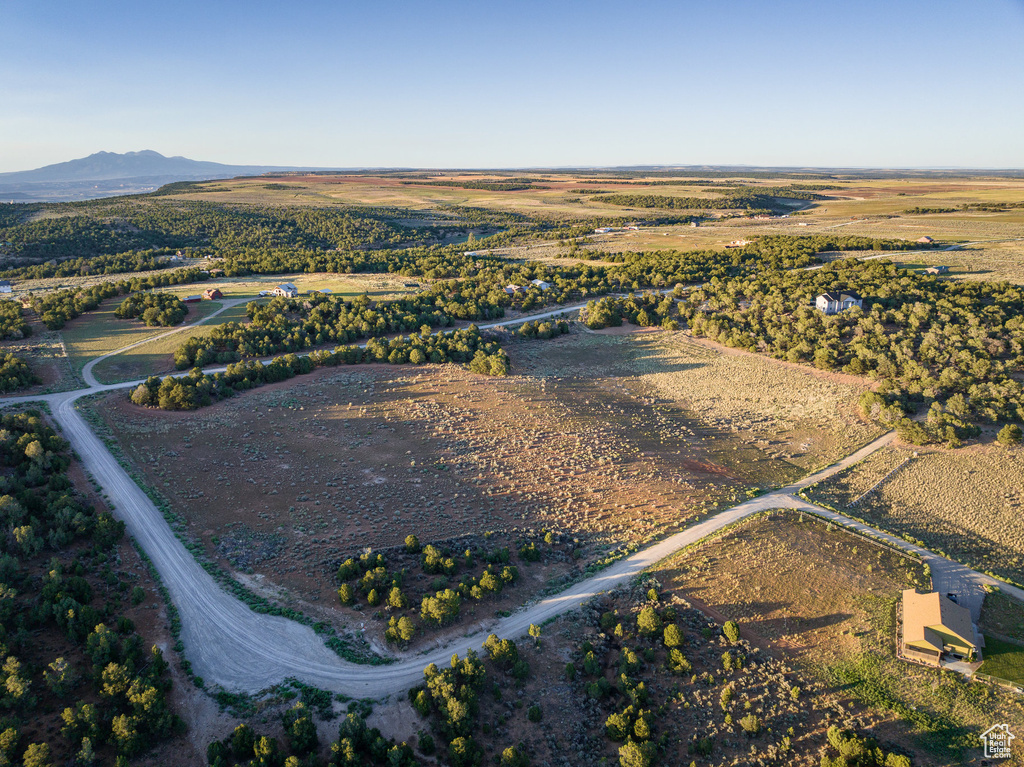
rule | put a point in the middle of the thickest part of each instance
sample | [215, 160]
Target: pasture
[965, 503]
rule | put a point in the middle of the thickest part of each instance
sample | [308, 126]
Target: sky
[497, 84]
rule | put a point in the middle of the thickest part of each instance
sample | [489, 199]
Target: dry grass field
[966, 503]
[284, 482]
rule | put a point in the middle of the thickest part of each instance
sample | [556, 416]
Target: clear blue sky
[904, 83]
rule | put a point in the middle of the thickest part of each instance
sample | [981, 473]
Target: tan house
[935, 626]
[937, 270]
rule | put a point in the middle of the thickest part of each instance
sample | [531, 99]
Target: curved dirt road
[231, 646]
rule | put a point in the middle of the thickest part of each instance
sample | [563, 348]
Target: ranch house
[211, 293]
[5, 286]
[837, 301]
[287, 290]
[936, 270]
[935, 626]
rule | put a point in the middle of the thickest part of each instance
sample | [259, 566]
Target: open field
[987, 261]
[368, 456]
[826, 600]
[345, 285]
[45, 352]
[156, 357]
[99, 332]
[775, 421]
[966, 503]
[794, 583]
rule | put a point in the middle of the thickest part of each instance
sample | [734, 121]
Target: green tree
[673, 637]
[647, 621]
[535, 633]
[1009, 435]
[37, 755]
[633, 754]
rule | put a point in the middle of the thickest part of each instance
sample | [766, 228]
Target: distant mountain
[108, 173]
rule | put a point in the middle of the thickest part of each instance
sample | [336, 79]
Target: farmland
[966, 503]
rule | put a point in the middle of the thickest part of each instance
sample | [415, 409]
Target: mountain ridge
[103, 174]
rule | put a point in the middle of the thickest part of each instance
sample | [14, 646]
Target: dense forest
[65, 643]
[115, 227]
[135, 261]
[153, 309]
[954, 348]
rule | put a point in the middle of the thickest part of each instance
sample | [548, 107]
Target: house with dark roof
[836, 301]
[935, 627]
[5, 286]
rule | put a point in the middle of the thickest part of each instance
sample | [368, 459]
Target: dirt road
[231, 646]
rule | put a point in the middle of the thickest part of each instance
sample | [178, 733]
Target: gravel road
[231, 646]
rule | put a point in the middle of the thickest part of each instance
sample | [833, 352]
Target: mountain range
[104, 174]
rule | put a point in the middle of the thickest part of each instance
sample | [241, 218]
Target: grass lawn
[1004, 660]
[100, 332]
[157, 356]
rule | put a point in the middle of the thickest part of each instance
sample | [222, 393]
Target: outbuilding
[212, 293]
[192, 299]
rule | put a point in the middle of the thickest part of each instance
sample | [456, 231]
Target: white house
[540, 284]
[287, 290]
[5, 286]
[837, 301]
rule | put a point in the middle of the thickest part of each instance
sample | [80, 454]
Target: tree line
[198, 389]
[58, 308]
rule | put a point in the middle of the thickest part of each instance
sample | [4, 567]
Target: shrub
[534, 714]
[412, 544]
[751, 724]
[426, 743]
[731, 631]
